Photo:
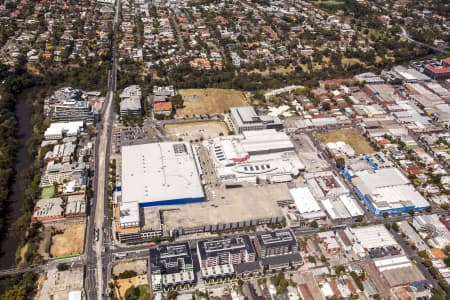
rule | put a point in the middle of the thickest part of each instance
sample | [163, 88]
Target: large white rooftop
[376, 236]
[389, 189]
[129, 214]
[304, 200]
[160, 173]
[264, 155]
[56, 130]
[265, 140]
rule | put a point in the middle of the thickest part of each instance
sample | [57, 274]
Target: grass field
[349, 136]
[279, 70]
[70, 242]
[351, 61]
[48, 192]
[209, 101]
[192, 131]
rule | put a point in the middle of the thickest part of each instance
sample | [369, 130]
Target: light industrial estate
[226, 150]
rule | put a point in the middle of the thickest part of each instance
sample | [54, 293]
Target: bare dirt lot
[209, 101]
[70, 242]
[139, 266]
[349, 136]
[192, 131]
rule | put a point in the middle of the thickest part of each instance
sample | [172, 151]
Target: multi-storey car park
[245, 118]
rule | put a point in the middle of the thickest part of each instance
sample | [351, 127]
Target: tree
[436, 296]
[17, 292]
[395, 227]
[340, 162]
[447, 261]
[127, 274]
[177, 101]
[339, 269]
[423, 253]
[62, 267]
[385, 215]
[172, 295]
[132, 293]
[357, 280]
[411, 212]
[314, 224]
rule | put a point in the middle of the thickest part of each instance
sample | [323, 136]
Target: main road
[94, 284]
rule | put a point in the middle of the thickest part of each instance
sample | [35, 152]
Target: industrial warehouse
[154, 174]
[388, 191]
[160, 174]
[254, 156]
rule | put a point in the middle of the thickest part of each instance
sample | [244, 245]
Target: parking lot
[308, 154]
[123, 136]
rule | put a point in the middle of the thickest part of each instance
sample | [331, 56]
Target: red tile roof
[162, 106]
[438, 70]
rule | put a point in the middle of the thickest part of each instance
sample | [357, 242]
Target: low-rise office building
[48, 210]
[163, 93]
[57, 131]
[70, 111]
[130, 100]
[60, 173]
[245, 118]
[68, 104]
[75, 206]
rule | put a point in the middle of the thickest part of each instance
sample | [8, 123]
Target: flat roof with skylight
[160, 174]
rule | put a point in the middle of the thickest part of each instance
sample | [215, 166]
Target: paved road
[406, 35]
[179, 38]
[413, 255]
[94, 279]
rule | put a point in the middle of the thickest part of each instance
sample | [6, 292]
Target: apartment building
[278, 251]
[227, 257]
[171, 266]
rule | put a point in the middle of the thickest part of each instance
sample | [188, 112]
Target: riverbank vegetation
[19, 84]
